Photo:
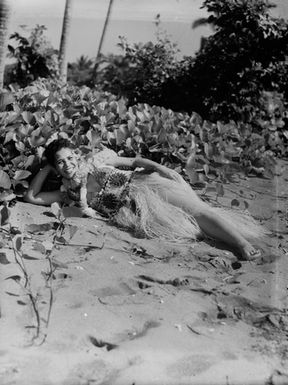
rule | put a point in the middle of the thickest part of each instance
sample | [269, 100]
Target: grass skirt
[155, 216]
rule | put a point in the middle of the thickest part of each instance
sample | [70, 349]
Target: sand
[109, 308]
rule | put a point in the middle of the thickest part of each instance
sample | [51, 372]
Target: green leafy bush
[46, 110]
[228, 78]
[141, 72]
[244, 57]
[34, 58]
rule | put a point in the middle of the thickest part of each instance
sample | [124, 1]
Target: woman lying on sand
[149, 198]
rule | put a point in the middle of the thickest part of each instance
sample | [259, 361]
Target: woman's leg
[210, 222]
[216, 227]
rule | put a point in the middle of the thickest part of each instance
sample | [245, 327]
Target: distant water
[85, 34]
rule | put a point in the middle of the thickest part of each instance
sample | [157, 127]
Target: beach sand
[109, 308]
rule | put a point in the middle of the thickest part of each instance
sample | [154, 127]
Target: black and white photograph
[143, 192]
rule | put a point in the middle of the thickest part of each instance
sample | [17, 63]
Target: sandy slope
[135, 311]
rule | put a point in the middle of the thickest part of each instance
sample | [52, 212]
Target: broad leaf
[27, 116]
[4, 215]
[21, 174]
[17, 240]
[29, 258]
[5, 181]
[72, 230]
[39, 247]
[15, 278]
[39, 229]
[3, 259]
[56, 210]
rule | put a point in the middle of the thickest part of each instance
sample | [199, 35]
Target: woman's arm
[147, 164]
[36, 196]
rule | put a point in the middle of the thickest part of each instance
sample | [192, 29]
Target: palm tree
[203, 21]
[200, 22]
[104, 28]
[5, 12]
[102, 37]
[64, 40]
[83, 63]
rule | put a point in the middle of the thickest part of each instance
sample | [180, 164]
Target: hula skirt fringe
[155, 217]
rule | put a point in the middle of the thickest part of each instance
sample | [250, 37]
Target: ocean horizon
[85, 34]
[88, 20]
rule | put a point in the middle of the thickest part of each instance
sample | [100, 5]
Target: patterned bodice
[110, 186]
[114, 189]
[111, 192]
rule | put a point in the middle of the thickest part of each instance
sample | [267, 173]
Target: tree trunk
[64, 41]
[102, 38]
[104, 28]
[5, 13]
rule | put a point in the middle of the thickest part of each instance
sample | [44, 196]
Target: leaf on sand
[17, 242]
[12, 294]
[21, 303]
[48, 214]
[38, 246]
[56, 210]
[38, 229]
[101, 344]
[58, 264]
[3, 259]
[72, 231]
[61, 240]
[4, 215]
[15, 278]
[29, 258]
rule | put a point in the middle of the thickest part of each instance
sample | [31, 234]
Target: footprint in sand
[121, 293]
[191, 366]
[93, 372]
[122, 289]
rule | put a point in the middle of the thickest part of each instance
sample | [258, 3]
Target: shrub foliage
[34, 58]
[46, 110]
[228, 78]
[244, 57]
[141, 72]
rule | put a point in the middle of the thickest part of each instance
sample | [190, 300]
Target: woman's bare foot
[249, 253]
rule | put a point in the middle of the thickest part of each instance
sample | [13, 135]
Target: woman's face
[66, 162]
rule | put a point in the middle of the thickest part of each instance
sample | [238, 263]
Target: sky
[170, 10]
[133, 19]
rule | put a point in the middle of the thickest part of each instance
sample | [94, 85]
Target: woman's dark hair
[54, 147]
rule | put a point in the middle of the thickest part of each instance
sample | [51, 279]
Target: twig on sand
[193, 330]
[81, 245]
